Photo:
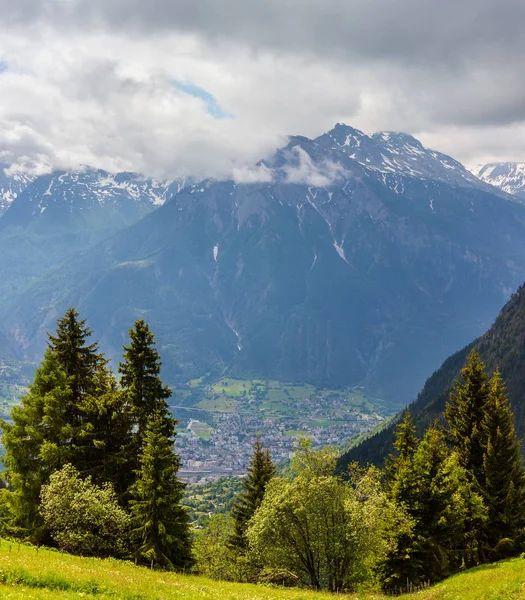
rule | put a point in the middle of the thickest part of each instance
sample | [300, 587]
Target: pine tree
[140, 370]
[438, 495]
[260, 472]
[406, 438]
[464, 415]
[51, 426]
[504, 475]
[160, 522]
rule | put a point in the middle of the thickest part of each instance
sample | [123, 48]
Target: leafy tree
[260, 472]
[140, 370]
[215, 557]
[84, 518]
[160, 522]
[504, 475]
[320, 528]
[439, 497]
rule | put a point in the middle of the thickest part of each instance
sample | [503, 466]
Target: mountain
[84, 197]
[355, 260]
[52, 217]
[11, 186]
[508, 176]
[502, 345]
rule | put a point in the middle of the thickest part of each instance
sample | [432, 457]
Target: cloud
[306, 172]
[178, 87]
[258, 174]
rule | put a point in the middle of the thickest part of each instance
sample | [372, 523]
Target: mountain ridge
[326, 270]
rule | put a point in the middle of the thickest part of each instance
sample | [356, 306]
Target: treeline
[91, 468]
[89, 461]
[449, 501]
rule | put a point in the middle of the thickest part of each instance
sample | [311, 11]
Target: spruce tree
[406, 439]
[160, 522]
[260, 472]
[504, 475]
[51, 426]
[464, 415]
[140, 380]
[438, 495]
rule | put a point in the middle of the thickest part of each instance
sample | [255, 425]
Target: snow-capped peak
[508, 176]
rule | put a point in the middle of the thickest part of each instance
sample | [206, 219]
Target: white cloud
[306, 172]
[85, 87]
[258, 174]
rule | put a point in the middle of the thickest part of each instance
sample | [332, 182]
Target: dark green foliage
[260, 472]
[503, 473]
[73, 413]
[437, 494]
[406, 438]
[140, 370]
[464, 415]
[160, 523]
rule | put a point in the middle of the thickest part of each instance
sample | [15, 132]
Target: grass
[26, 575]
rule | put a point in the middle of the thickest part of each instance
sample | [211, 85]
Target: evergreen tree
[406, 438]
[140, 370]
[504, 475]
[260, 472]
[405, 443]
[160, 522]
[464, 415]
[438, 495]
[51, 426]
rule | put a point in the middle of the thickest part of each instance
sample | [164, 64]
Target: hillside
[350, 260]
[47, 575]
[503, 344]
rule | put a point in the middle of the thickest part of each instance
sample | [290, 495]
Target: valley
[218, 422]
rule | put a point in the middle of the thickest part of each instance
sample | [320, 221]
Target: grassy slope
[26, 575]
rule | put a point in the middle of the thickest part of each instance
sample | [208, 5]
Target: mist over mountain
[344, 260]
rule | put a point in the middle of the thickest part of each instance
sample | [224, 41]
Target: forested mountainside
[502, 345]
[347, 260]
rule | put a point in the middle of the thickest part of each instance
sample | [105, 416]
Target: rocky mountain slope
[50, 218]
[355, 260]
[502, 345]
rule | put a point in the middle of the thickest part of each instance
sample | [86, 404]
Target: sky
[205, 88]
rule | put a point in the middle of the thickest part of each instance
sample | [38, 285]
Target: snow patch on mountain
[508, 176]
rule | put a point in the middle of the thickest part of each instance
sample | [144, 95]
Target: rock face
[509, 176]
[503, 345]
[356, 260]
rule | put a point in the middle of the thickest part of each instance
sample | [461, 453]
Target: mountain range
[508, 176]
[348, 260]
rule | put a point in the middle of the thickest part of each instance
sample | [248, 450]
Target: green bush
[84, 518]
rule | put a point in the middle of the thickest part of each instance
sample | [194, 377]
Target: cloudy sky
[203, 87]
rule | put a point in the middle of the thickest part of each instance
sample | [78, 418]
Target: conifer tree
[51, 426]
[438, 495]
[140, 370]
[504, 475]
[464, 415]
[406, 439]
[160, 522]
[260, 472]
